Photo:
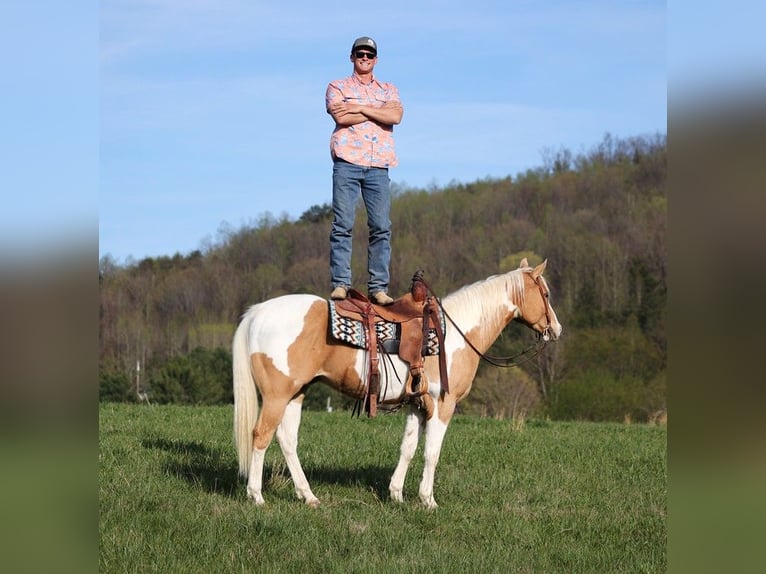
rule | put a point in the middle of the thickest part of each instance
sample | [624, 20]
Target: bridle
[507, 361]
[547, 330]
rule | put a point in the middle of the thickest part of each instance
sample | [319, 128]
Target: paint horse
[281, 346]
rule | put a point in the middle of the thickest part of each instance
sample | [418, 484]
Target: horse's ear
[524, 263]
[537, 271]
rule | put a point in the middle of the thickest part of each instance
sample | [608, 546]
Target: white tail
[245, 397]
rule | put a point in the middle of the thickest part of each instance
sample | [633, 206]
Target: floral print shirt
[369, 143]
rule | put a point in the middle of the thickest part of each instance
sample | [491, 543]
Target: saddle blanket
[388, 334]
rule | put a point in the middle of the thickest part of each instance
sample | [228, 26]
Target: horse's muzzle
[550, 334]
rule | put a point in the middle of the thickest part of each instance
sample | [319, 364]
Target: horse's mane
[482, 298]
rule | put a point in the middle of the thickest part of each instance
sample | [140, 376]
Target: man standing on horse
[365, 111]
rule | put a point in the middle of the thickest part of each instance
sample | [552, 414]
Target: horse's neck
[481, 308]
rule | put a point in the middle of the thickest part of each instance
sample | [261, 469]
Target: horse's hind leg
[287, 437]
[255, 477]
[270, 417]
[412, 430]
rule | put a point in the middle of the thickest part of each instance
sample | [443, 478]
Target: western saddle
[414, 314]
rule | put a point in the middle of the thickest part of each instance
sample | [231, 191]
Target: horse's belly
[349, 372]
[392, 379]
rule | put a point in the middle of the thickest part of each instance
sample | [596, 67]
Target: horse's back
[276, 324]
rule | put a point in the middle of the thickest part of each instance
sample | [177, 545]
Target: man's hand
[390, 113]
[348, 114]
[343, 108]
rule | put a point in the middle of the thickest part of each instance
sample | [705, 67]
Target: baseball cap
[365, 42]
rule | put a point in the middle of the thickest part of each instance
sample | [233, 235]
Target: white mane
[482, 300]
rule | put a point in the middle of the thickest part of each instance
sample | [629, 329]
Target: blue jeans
[348, 181]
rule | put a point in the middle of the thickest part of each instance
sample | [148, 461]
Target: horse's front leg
[436, 428]
[287, 437]
[412, 430]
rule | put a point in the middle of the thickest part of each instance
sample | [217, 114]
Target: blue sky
[142, 126]
[48, 125]
[212, 111]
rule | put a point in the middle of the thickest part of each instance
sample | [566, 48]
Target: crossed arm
[349, 114]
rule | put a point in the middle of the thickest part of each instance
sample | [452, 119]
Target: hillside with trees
[599, 218]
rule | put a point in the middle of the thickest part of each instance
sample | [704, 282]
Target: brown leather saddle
[414, 315]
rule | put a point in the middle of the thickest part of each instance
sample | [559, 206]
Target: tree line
[599, 217]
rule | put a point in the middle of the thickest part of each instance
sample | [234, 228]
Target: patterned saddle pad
[388, 334]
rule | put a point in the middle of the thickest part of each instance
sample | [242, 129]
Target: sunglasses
[360, 55]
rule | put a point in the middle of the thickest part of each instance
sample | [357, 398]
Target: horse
[281, 346]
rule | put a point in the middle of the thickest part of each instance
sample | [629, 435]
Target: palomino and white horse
[282, 345]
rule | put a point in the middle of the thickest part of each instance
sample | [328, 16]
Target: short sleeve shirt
[369, 143]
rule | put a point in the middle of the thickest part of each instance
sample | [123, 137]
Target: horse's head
[535, 310]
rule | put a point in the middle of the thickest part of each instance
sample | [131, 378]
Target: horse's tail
[245, 397]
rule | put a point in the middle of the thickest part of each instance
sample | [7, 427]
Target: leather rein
[503, 362]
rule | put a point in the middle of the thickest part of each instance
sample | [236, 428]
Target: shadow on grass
[199, 465]
[215, 471]
[371, 477]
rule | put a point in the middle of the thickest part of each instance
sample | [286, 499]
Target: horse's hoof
[256, 497]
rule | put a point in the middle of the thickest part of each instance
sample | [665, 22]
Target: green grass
[554, 497]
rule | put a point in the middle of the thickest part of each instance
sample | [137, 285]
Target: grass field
[547, 497]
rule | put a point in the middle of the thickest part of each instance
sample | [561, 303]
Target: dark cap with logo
[365, 42]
